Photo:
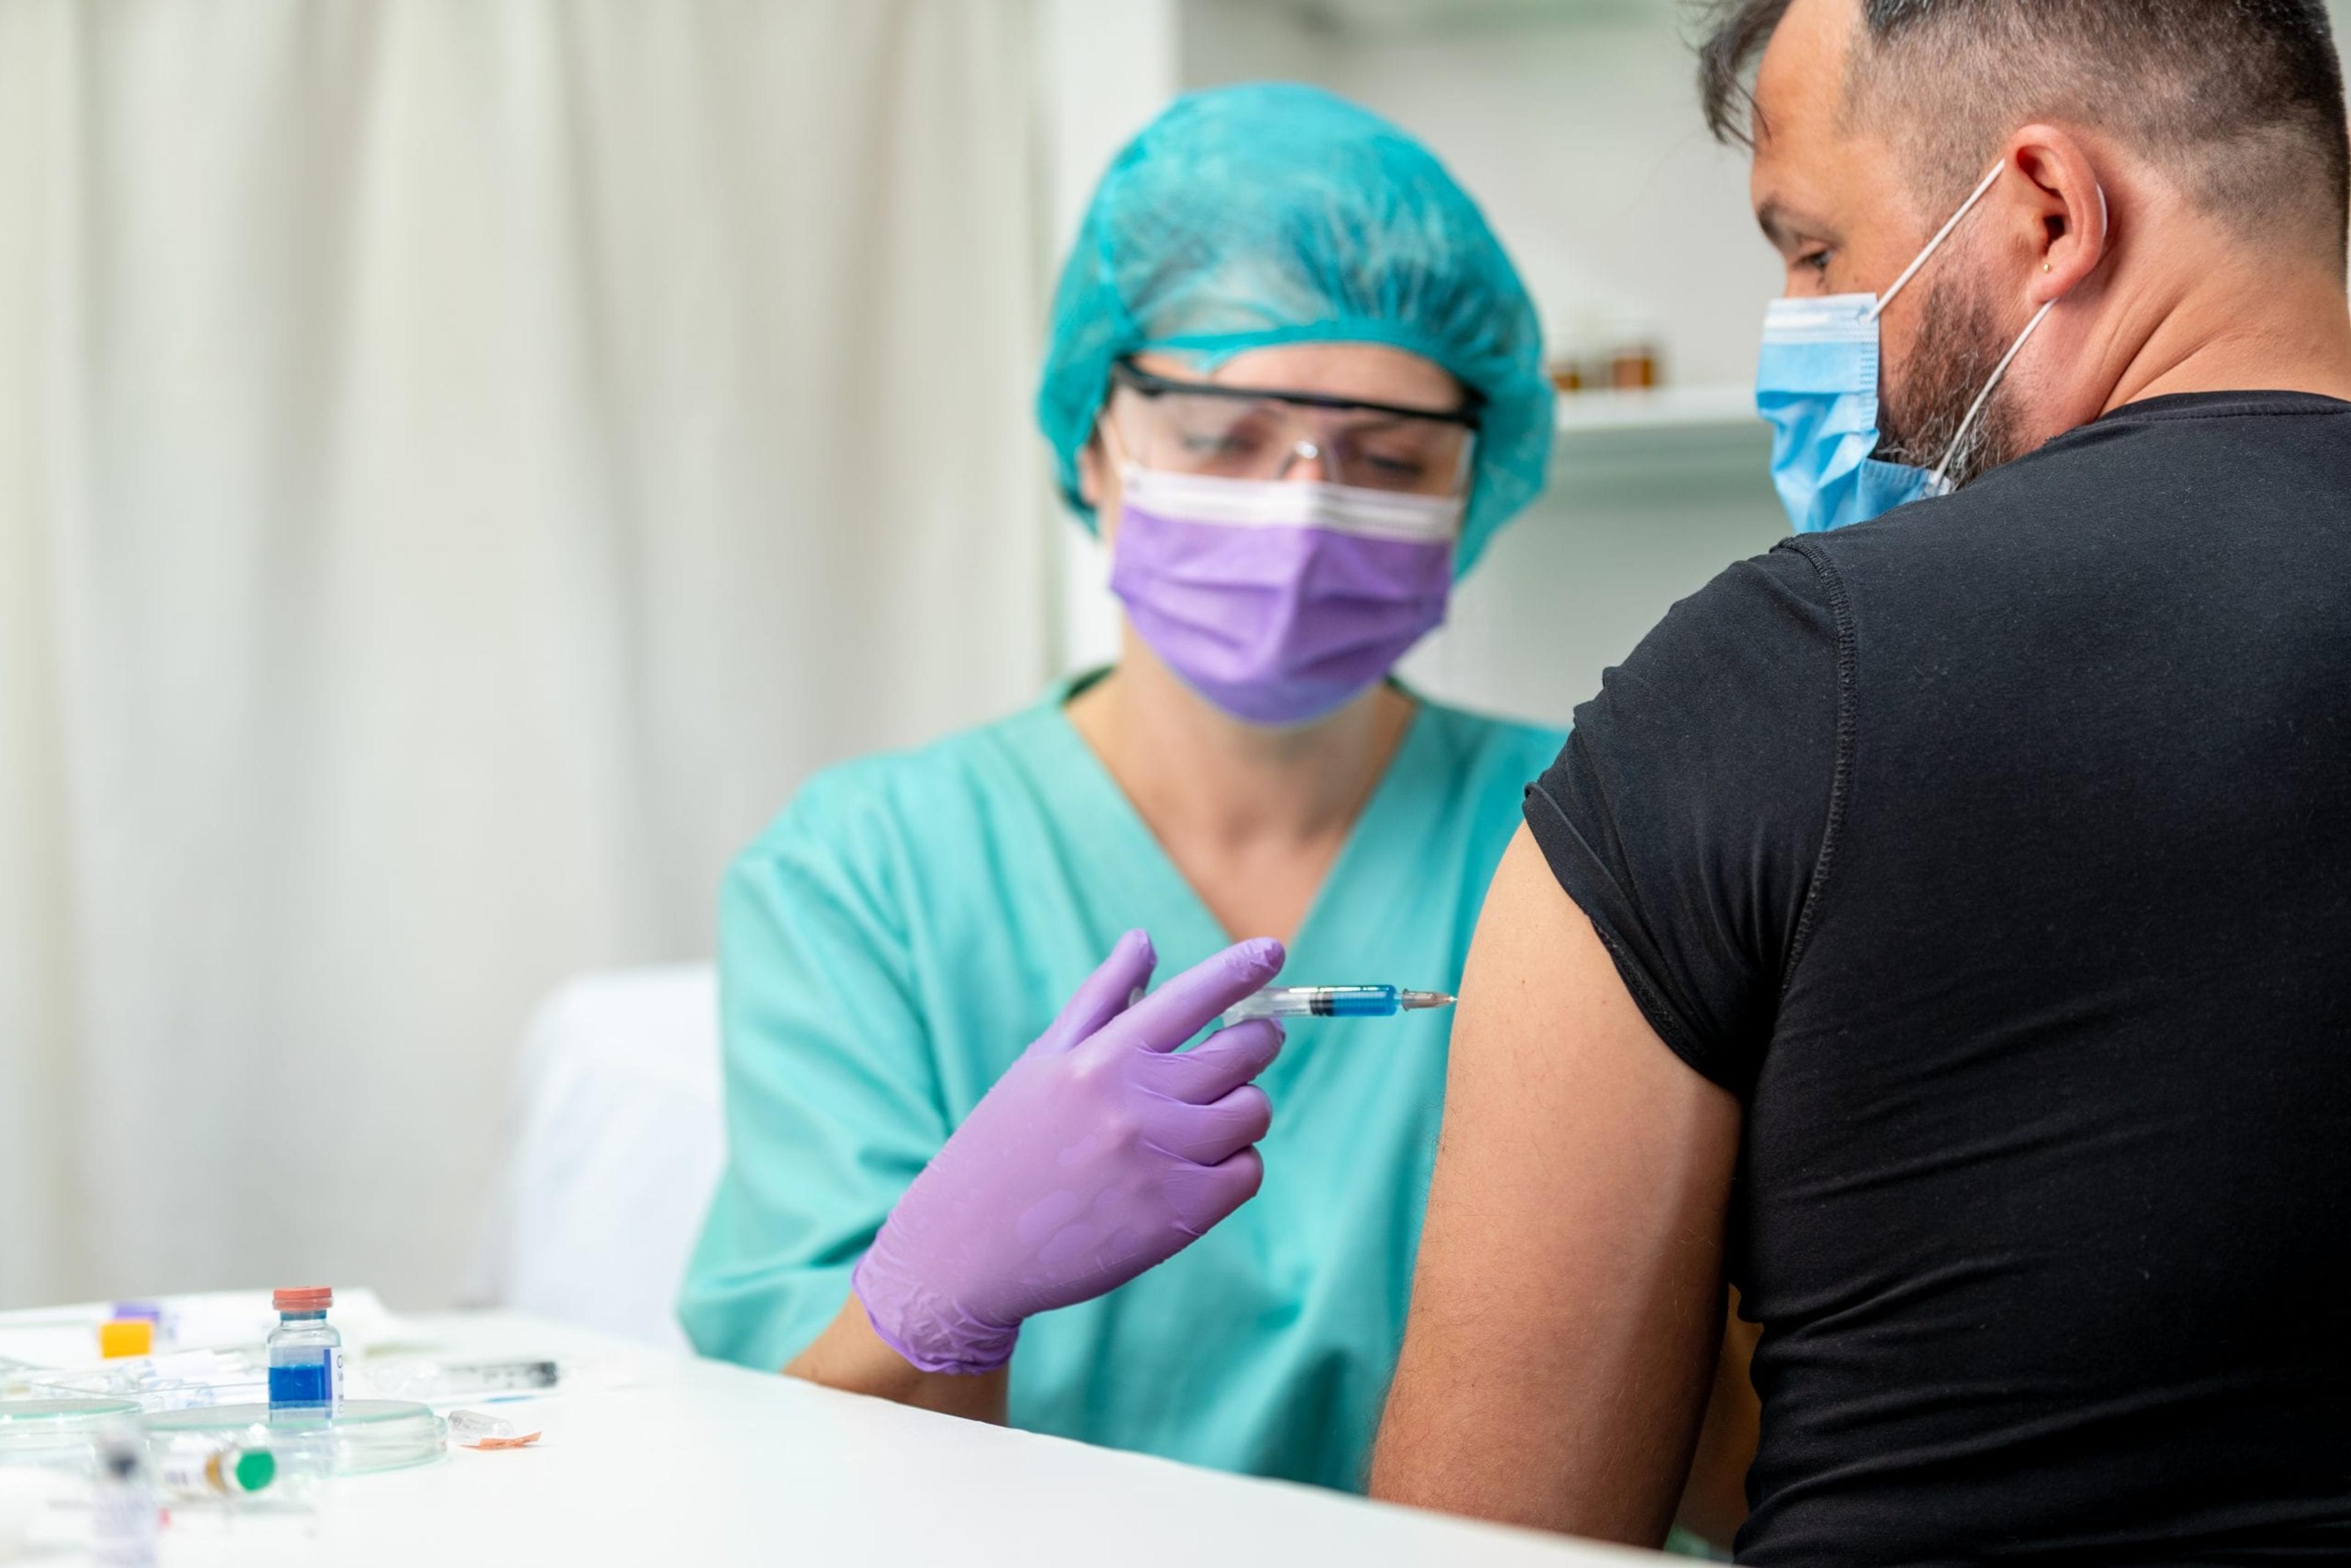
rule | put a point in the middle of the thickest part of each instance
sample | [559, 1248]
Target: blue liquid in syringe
[1333, 1002]
[1355, 1002]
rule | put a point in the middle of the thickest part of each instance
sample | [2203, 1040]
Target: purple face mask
[1279, 600]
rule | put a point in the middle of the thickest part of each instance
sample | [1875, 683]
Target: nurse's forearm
[851, 1356]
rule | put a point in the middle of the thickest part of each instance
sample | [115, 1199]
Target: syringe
[1333, 1002]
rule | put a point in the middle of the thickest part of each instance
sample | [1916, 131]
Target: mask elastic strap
[1935, 244]
[1940, 478]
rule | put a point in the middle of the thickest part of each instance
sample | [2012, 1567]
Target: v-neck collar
[1166, 904]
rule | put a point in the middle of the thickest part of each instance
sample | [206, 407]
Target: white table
[699, 1465]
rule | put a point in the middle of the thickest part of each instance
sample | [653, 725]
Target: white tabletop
[702, 1465]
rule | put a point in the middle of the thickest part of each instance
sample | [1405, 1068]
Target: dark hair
[2242, 100]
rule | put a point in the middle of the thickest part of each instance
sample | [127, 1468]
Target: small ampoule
[230, 1470]
[305, 1353]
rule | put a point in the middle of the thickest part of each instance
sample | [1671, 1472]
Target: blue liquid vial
[306, 1354]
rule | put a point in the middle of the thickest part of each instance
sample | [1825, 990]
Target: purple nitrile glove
[1101, 1152]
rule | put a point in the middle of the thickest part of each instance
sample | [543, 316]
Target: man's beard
[1957, 348]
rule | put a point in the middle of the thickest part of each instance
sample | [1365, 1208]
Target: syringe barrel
[1317, 1002]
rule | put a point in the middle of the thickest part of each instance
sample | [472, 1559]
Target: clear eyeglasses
[1246, 432]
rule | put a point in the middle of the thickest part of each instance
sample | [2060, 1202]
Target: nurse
[1297, 384]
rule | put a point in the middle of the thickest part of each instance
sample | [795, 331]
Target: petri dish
[361, 1437]
[59, 1432]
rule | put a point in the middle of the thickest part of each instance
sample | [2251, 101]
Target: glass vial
[305, 1353]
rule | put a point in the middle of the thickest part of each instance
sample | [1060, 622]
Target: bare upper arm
[1568, 1297]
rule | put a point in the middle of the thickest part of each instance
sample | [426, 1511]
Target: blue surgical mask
[1817, 385]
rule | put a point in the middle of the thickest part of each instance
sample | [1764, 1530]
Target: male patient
[1940, 928]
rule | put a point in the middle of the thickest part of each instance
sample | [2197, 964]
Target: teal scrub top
[910, 921]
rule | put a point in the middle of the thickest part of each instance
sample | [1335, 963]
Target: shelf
[1667, 408]
[1635, 448]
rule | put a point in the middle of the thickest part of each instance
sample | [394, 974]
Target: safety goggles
[1242, 432]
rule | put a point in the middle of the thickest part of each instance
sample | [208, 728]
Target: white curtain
[462, 462]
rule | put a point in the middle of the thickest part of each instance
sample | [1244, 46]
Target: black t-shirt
[1998, 856]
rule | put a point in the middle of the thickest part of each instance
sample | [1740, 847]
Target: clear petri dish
[61, 1433]
[361, 1437]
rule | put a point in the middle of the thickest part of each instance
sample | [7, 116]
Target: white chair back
[617, 1141]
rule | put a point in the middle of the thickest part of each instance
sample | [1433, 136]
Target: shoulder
[1734, 698]
[1759, 624]
[868, 809]
[2139, 466]
[1687, 814]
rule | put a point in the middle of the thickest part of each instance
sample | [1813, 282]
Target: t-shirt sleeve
[1687, 814]
[832, 1098]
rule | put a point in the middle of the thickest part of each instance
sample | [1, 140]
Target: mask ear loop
[1928, 254]
[1939, 481]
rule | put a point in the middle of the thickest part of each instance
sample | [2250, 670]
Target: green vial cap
[255, 1469]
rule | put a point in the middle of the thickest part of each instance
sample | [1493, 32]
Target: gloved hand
[1101, 1152]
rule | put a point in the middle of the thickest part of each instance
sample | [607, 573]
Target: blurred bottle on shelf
[1619, 354]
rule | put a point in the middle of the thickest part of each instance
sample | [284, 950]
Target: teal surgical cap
[1274, 213]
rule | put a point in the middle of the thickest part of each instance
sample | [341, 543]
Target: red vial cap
[303, 1298]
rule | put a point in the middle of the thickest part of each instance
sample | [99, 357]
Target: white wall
[1580, 135]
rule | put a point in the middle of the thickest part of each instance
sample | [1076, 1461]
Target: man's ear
[2070, 222]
